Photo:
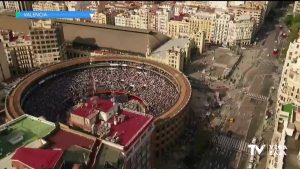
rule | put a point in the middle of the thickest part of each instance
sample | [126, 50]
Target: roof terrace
[119, 126]
[22, 131]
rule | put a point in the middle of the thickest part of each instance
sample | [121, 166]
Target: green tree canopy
[294, 31]
[288, 20]
[296, 19]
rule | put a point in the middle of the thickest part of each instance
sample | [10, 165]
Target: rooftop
[64, 139]
[288, 108]
[179, 17]
[22, 131]
[127, 130]
[163, 49]
[108, 36]
[130, 128]
[85, 111]
[38, 158]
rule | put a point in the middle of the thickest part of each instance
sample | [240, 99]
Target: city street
[250, 90]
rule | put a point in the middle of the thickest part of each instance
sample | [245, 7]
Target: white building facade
[221, 28]
[240, 31]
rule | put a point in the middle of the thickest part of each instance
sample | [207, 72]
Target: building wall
[135, 19]
[176, 57]
[163, 17]
[296, 7]
[289, 88]
[77, 121]
[254, 10]
[1, 5]
[99, 18]
[17, 5]
[221, 28]
[204, 22]
[139, 155]
[178, 29]
[4, 67]
[288, 93]
[48, 6]
[218, 4]
[18, 52]
[199, 40]
[167, 132]
[45, 44]
[235, 3]
[241, 32]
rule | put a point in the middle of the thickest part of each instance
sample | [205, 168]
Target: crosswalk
[258, 97]
[231, 143]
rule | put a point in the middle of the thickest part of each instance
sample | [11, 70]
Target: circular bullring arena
[50, 92]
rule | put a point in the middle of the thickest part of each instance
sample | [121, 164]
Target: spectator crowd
[53, 98]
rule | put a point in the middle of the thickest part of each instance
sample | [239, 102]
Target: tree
[288, 20]
[296, 19]
[294, 31]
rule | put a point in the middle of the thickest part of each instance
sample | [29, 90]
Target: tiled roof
[38, 158]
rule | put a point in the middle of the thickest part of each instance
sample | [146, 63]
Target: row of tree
[293, 21]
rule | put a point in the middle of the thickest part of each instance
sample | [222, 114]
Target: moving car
[275, 52]
[284, 35]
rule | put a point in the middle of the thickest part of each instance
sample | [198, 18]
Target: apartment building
[49, 6]
[4, 66]
[204, 21]
[153, 20]
[218, 4]
[93, 6]
[289, 89]
[45, 42]
[268, 5]
[17, 5]
[241, 31]
[235, 3]
[163, 17]
[191, 7]
[175, 53]
[18, 51]
[71, 5]
[253, 9]
[99, 18]
[287, 117]
[296, 8]
[221, 27]
[134, 19]
[178, 26]
[199, 40]
[127, 20]
[145, 17]
[1, 5]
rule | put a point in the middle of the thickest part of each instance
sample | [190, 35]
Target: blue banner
[54, 14]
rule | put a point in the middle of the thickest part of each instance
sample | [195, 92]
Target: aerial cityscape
[149, 84]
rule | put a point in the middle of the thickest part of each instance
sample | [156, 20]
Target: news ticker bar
[54, 14]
